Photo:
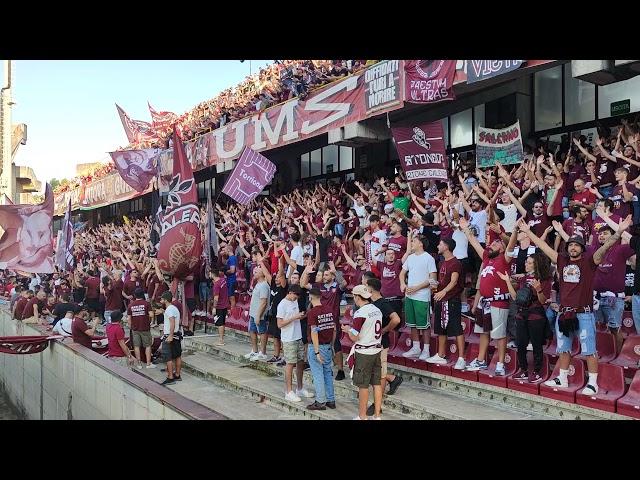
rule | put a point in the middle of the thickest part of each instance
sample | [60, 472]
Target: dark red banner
[429, 81]
[422, 151]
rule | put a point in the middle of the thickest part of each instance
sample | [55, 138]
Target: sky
[69, 106]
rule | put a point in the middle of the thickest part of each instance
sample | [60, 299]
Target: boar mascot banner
[180, 240]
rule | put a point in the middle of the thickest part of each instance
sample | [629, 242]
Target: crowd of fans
[273, 84]
[540, 249]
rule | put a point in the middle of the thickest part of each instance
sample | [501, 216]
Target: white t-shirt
[286, 310]
[171, 311]
[419, 267]
[378, 239]
[368, 321]
[510, 217]
[360, 211]
[462, 244]
[63, 327]
[297, 255]
[479, 220]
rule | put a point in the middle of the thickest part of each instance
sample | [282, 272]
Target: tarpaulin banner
[503, 145]
[478, 70]
[383, 86]
[422, 151]
[251, 174]
[136, 167]
[26, 236]
[180, 240]
[429, 81]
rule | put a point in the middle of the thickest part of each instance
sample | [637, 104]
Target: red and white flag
[126, 124]
[161, 120]
[136, 167]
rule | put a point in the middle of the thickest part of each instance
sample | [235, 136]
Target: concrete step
[268, 389]
[413, 400]
[510, 400]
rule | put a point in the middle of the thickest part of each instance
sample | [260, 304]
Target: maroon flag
[126, 124]
[429, 81]
[161, 120]
[422, 151]
[26, 238]
[136, 167]
[252, 173]
[180, 240]
[64, 256]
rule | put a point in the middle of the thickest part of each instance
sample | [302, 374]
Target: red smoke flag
[26, 237]
[180, 240]
[161, 120]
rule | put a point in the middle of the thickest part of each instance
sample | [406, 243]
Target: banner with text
[382, 85]
[422, 151]
[503, 145]
[478, 70]
[429, 81]
[252, 173]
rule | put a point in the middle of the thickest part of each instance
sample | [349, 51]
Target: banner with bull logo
[422, 151]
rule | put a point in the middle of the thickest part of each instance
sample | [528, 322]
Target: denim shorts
[586, 334]
[259, 328]
[611, 310]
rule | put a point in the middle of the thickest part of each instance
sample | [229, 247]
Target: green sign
[620, 108]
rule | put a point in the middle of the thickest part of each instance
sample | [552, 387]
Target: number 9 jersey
[367, 320]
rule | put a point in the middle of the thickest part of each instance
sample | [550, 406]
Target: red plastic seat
[469, 335]
[470, 352]
[576, 380]
[533, 388]
[605, 346]
[601, 327]
[628, 327]
[403, 344]
[451, 354]
[630, 403]
[610, 388]
[467, 325]
[421, 364]
[510, 366]
[629, 356]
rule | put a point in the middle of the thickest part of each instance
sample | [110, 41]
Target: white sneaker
[413, 353]
[292, 397]
[512, 344]
[303, 392]
[460, 364]
[529, 348]
[261, 357]
[499, 372]
[590, 390]
[256, 356]
[424, 355]
[375, 418]
[249, 355]
[151, 365]
[436, 359]
[555, 382]
[358, 418]
[139, 366]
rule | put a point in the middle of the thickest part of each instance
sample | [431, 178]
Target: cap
[577, 239]
[361, 291]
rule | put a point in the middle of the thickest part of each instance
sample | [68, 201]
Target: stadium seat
[601, 327]
[630, 404]
[576, 380]
[510, 365]
[605, 346]
[532, 388]
[421, 364]
[469, 335]
[403, 344]
[471, 352]
[628, 327]
[451, 354]
[610, 388]
[393, 338]
[629, 355]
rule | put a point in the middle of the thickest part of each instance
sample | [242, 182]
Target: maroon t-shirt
[351, 226]
[492, 287]
[538, 224]
[78, 327]
[447, 268]
[611, 273]
[115, 332]
[322, 317]
[604, 170]
[20, 304]
[93, 287]
[632, 169]
[390, 278]
[599, 222]
[331, 296]
[576, 280]
[573, 228]
[620, 206]
[585, 197]
[130, 286]
[545, 286]
[113, 296]
[139, 312]
[220, 290]
[398, 245]
[27, 312]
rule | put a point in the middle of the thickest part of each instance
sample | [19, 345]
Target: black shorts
[171, 350]
[221, 316]
[337, 346]
[303, 327]
[272, 327]
[466, 266]
[191, 304]
[78, 295]
[454, 325]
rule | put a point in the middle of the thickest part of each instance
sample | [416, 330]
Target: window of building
[461, 129]
[304, 165]
[548, 98]
[136, 205]
[330, 159]
[579, 99]
[113, 209]
[478, 120]
[616, 92]
[346, 158]
[316, 163]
